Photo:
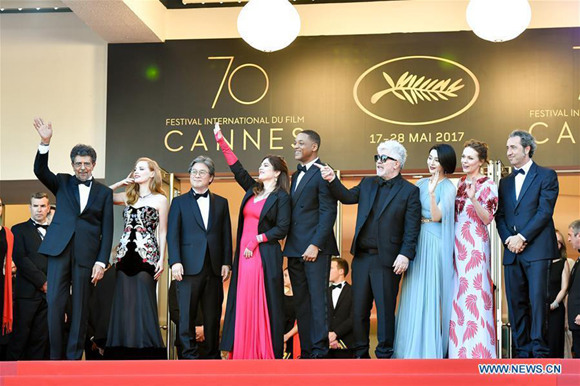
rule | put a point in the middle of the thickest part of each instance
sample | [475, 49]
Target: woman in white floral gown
[472, 329]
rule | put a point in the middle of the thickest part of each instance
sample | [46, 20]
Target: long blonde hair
[155, 183]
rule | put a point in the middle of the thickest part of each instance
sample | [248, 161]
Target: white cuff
[43, 149]
[521, 237]
[100, 264]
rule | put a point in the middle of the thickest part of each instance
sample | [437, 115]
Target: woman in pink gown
[254, 322]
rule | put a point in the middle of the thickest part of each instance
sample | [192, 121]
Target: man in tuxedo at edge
[309, 245]
[199, 240]
[574, 290]
[77, 243]
[524, 221]
[340, 336]
[30, 335]
[387, 229]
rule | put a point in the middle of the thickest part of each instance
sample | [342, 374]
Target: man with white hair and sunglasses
[387, 229]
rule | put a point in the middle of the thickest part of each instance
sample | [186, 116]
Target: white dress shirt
[203, 203]
[336, 292]
[41, 230]
[308, 165]
[84, 192]
[519, 178]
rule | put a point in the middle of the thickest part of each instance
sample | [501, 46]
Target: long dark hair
[283, 181]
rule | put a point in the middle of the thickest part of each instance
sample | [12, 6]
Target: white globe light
[498, 20]
[268, 25]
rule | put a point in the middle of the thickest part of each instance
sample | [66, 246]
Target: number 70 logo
[230, 75]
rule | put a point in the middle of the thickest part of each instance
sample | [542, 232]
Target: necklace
[145, 196]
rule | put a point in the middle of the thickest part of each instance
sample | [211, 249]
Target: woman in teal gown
[422, 320]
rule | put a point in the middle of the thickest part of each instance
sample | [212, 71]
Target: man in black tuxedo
[309, 245]
[78, 242]
[527, 198]
[340, 335]
[574, 290]
[30, 335]
[387, 229]
[199, 240]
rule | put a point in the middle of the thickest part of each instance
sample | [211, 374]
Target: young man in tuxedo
[524, 221]
[199, 240]
[574, 290]
[78, 242]
[386, 234]
[340, 335]
[309, 245]
[30, 335]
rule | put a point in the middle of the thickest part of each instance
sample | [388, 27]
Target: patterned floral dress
[472, 329]
[134, 324]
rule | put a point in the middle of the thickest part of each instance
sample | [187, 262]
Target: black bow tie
[79, 182]
[197, 195]
[37, 225]
[519, 171]
[383, 182]
[301, 168]
[334, 286]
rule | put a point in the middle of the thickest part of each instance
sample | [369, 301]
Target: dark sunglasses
[383, 158]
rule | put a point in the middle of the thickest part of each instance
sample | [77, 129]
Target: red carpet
[289, 372]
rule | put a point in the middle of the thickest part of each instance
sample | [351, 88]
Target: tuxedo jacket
[530, 215]
[188, 240]
[340, 319]
[92, 228]
[574, 296]
[399, 219]
[31, 265]
[313, 215]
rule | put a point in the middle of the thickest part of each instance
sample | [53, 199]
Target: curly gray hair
[395, 150]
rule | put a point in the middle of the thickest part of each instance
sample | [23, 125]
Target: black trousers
[30, 334]
[63, 272]
[310, 286]
[527, 297]
[371, 280]
[205, 288]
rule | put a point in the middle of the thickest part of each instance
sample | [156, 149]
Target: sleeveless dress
[472, 332]
[556, 317]
[422, 321]
[134, 326]
[253, 339]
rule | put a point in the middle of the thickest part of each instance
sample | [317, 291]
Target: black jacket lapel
[392, 193]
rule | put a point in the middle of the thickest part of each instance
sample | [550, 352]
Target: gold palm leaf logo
[413, 89]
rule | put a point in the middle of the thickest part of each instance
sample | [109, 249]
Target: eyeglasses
[201, 173]
[383, 158]
[86, 165]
